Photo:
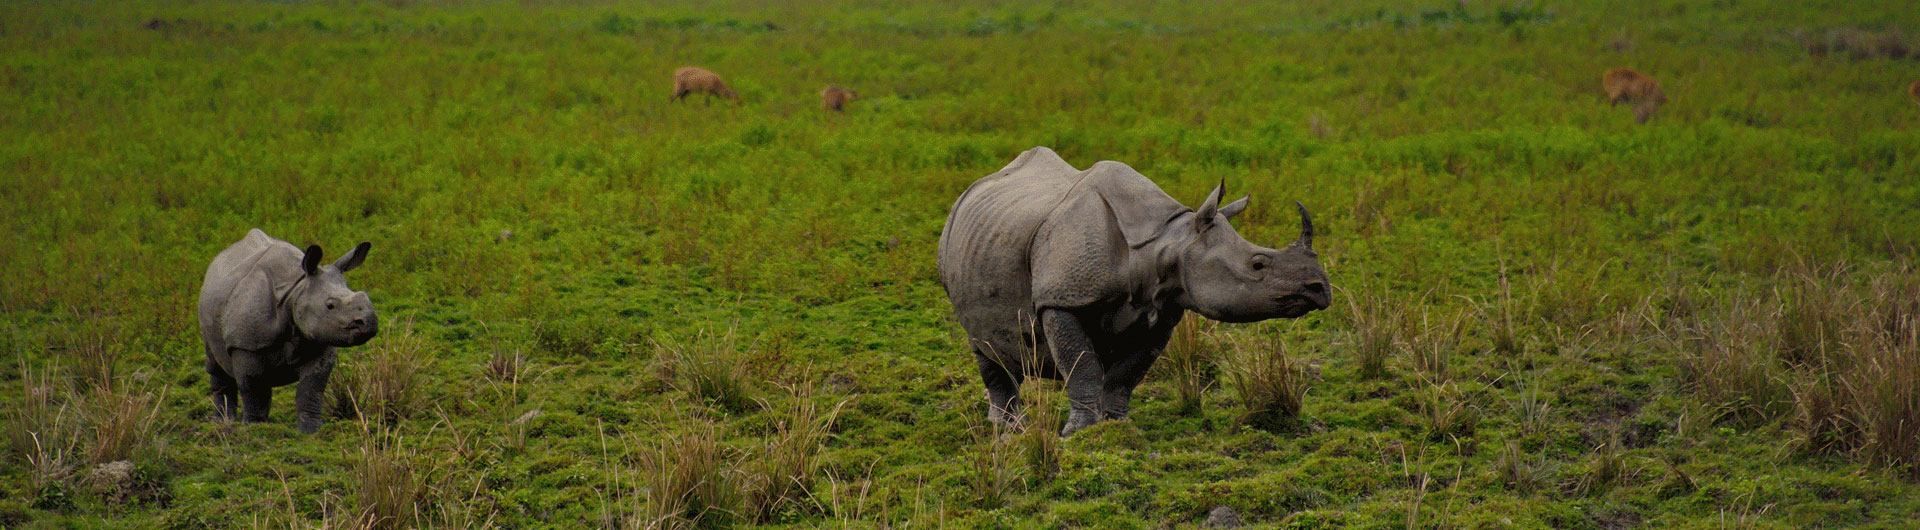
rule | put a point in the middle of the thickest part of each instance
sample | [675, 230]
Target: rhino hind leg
[1078, 363]
[226, 393]
[1003, 390]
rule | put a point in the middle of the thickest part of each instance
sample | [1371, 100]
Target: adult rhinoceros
[1082, 275]
[271, 315]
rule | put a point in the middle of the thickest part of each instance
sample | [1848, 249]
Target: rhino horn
[1306, 225]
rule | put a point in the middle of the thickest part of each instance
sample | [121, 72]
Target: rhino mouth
[361, 337]
[1297, 305]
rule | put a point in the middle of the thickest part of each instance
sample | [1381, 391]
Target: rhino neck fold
[298, 288]
[1155, 274]
[1171, 276]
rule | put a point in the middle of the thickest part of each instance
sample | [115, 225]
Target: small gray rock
[505, 235]
[1222, 517]
[112, 480]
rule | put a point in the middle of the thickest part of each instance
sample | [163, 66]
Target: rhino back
[985, 249]
[257, 254]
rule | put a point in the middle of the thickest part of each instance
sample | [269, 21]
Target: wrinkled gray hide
[272, 315]
[1081, 275]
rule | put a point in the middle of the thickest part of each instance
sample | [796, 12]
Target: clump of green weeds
[711, 367]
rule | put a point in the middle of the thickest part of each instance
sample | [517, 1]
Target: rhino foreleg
[1079, 365]
[226, 393]
[1121, 379]
[256, 391]
[310, 396]
[1138, 352]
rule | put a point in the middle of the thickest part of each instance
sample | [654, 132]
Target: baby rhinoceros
[272, 315]
[1082, 275]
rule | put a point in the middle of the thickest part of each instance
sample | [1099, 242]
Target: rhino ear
[353, 257]
[311, 262]
[1234, 208]
[1208, 209]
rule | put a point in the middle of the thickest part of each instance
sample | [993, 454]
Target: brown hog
[1628, 86]
[835, 96]
[690, 79]
[1914, 90]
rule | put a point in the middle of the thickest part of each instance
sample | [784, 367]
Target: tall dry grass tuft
[1606, 467]
[1438, 336]
[711, 367]
[1839, 358]
[687, 481]
[391, 481]
[1270, 388]
[1503, 315]
[386, 382]
[508, 372]
[123, 420]
[1039, 438]
[1533, 408]
[1821, 421]
[44, 428]
[1377, 325]
[505, 366]
[991, 472]
[782, 475]
[96, 360]
[1882, 374]
[1815, 305]
[1885, 387]
[1731, 362]
[1446, 411]
[1893, 305]
[1517, 470]
[1189, 362]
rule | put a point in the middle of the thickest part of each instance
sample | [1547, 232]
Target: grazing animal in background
[1628, 86]
[271, 315]
[692, 79]
[1078, 275]
[1913, 90]
[836, 96]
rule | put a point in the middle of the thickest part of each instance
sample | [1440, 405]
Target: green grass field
[603, 309]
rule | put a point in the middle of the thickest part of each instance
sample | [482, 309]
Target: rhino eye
[329, 305]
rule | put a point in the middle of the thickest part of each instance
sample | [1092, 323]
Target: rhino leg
[1138, 352]
[1079, 365]
[226, 393]
[1003, 390]
[1122, 377]
[256, 392]
[309, 397]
